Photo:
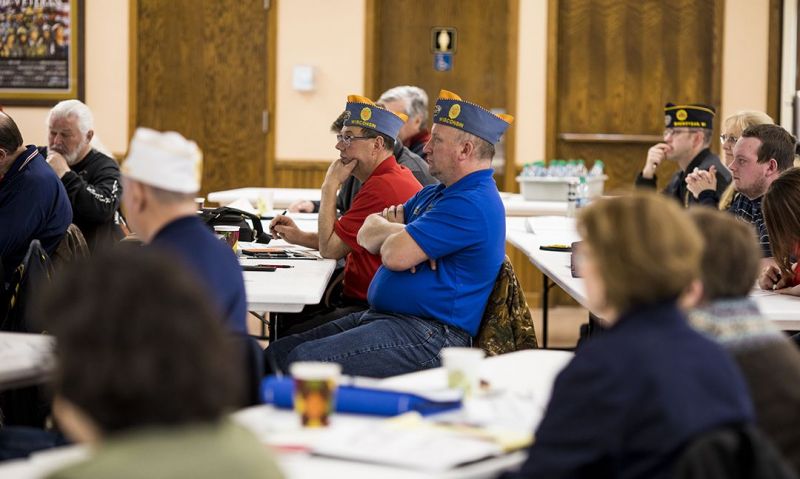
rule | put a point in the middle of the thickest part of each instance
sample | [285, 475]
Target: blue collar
[473, 179]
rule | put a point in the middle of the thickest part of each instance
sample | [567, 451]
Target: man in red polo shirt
[365, 146]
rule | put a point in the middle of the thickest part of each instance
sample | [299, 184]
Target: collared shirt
[389, 184]
[212, 262]
[749, 211]
[33, 205]
[462, 227]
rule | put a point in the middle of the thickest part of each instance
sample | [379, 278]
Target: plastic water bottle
[572, 198]
[582, 193]
[581, 169]
[597, 168]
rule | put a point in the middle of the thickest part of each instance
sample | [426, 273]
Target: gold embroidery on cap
[681, 115]
[455, 110]
[366, 113]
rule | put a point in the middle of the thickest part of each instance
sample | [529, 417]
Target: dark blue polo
[33, 205]
[214, 263]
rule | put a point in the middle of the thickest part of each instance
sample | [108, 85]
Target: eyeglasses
[677, 131]
[346, 140]
[728, 139]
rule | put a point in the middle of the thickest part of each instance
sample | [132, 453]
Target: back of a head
[414, 98]
[10, 137]
[781, 209]
[731, 255]
[646, 248]
[165, 161]
[776, 143]
[138, 343]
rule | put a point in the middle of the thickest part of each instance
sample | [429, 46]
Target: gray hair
[76, 108]
[414, 98]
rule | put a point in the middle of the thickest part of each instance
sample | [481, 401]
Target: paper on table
[400, 444]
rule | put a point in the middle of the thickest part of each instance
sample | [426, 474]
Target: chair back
[732, 452]
[35, 270]
[507, 324]
[72, 247]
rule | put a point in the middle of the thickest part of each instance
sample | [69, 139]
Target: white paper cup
[315, 386]
[463, 368]
[231, 235]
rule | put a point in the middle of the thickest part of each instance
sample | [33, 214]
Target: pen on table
[275, 265]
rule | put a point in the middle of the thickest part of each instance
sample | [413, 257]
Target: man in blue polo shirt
[161, 177]
[33, 202]
[441, 253]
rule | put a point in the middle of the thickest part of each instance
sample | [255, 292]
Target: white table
[280, 427]
[281, 197]
[782, 310]
[286, 290]
[276, 427]
[25, 359]
[516, 205]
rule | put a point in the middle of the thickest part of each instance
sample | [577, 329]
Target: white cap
[164, 160]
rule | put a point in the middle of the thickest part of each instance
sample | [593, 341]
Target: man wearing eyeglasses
[687, 137]
[365, 145]
[441, 252]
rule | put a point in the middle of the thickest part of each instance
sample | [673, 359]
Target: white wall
[529, 113]
[105, 78]
[330, 37]
[745, 56]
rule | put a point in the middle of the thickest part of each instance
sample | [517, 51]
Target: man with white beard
[91, 178]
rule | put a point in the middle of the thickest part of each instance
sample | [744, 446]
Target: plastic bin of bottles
[546, 188]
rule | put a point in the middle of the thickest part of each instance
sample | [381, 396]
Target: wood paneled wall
[300, 173]
[484, 64]
[202, 70]
[614, 63]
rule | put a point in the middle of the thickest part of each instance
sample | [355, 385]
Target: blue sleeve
[454, 223]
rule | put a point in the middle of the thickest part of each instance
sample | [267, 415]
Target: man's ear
[467, 148]
[138, 195]
[89, 136]
[772, 167]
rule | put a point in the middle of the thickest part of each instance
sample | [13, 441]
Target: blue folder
[279, 391]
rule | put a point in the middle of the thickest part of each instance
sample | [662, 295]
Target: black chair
[35, 271]
[732, 452]
[28, 406]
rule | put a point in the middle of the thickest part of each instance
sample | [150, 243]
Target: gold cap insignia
[681, 115]
[455, 110]
[366, 113]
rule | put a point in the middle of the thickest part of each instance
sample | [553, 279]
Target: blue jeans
[370, 343]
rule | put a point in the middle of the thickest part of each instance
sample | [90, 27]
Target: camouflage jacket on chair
[507, 324]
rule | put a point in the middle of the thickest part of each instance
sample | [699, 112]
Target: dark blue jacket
[632, 397]
[212, 261]
[33, 205]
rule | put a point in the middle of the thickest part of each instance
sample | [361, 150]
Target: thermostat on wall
[303, 78]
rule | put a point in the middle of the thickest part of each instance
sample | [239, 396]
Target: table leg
[546, 285]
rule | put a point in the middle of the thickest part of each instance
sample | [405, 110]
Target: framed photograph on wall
[41, 51]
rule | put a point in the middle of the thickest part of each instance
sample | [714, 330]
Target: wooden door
[614, 63]
[202, 70]
[484, 63]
